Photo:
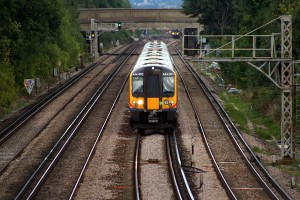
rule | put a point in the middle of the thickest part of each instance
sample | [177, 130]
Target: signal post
[96, 29]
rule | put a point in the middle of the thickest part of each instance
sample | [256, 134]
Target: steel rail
[20, 121]
[185, 182]
[136, 168]
[249, 150]
[76, 123]
[61, 110]
[100, 132]
[172, 170]
[171, 167]
[217, 106]
[218, 170]
[270, 192]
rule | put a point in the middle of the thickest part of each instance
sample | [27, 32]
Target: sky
[156, 3]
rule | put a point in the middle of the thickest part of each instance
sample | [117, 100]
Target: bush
[108, 38]
[7, 87]
[267, 101]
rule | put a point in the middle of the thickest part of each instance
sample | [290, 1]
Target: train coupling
[152, 117]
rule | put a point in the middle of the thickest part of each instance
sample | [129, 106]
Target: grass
[241, 112]
[235, 111]
[259, 150]
[239, 107]
[20, 103]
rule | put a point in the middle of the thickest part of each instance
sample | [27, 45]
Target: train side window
[137, 85]
[168, 86]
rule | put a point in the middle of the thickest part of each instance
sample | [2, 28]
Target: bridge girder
[137, 18]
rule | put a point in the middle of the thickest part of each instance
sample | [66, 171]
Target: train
[175, 33]
[153, 95]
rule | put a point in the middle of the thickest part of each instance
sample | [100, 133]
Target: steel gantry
[264, 55]
[96, 28]
[286, 88]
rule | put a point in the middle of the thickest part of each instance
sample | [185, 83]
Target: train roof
[154, 54]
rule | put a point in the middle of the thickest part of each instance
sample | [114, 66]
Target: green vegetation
[107, 38]
[262, 151]
[37, 36]
[241, 16]
[242, 111]
[260, 102]
[227, 17]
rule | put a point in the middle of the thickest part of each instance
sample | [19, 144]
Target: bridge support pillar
[287, 150]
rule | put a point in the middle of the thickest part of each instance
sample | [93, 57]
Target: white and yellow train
[153, 93]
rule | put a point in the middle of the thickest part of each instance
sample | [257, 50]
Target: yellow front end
[135, 102]
[152, 103]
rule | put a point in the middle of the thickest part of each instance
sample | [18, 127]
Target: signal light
[119, 25]
[93, 34]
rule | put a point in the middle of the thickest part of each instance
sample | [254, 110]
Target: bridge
[135, 18]
[278, 68]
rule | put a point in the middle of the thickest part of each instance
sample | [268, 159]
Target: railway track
[230, 154]
[9, 130]
[172, 183]
[103, 74]
[66, 166]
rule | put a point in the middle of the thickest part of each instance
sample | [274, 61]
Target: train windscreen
[168, 86]
[137, 85]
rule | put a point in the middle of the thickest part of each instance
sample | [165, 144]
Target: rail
[224, 116]
[68, 135]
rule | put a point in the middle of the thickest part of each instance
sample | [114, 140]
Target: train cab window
[168, 86]
[137, 85]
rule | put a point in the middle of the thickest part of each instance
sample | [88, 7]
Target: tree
[37, 36]
[217, 16]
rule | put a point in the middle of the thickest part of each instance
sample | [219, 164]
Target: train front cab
[153, 98]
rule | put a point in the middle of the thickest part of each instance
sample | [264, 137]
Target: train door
[153, 91]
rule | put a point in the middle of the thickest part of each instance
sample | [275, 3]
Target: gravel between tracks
[284, 179]
[211, 189]
[109, 173]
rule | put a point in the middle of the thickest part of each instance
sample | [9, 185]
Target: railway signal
[119, 25]
[93, 34]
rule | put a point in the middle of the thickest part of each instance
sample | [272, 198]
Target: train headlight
[140, 102]
[166, 102]
[134, 103]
